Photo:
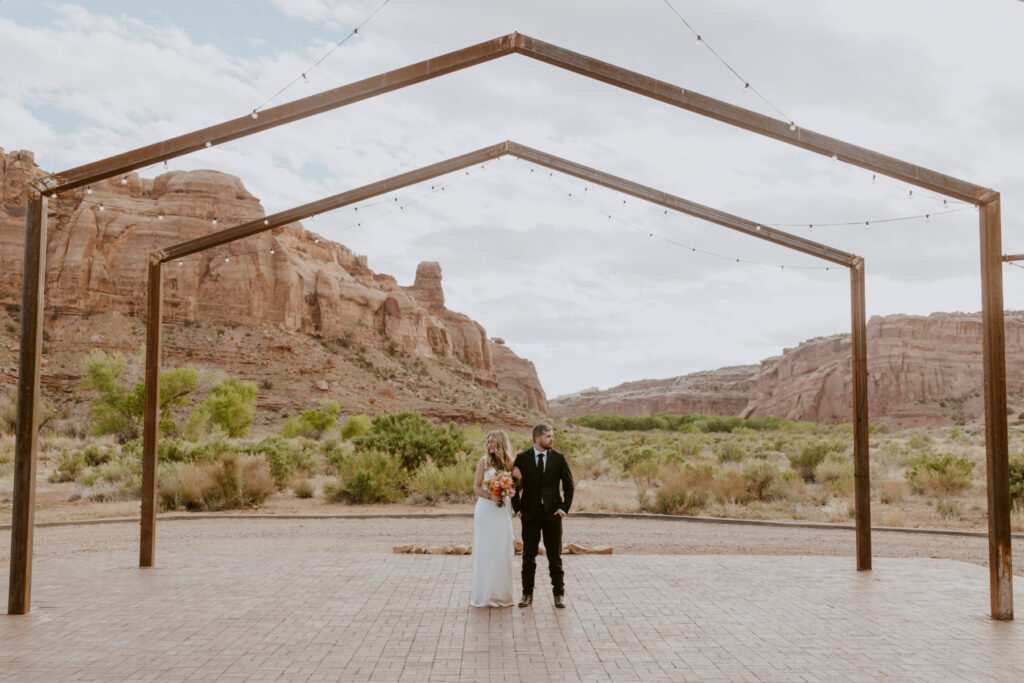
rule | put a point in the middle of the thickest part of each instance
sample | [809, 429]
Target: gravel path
[629, 536]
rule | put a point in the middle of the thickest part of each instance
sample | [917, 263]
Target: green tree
[413, 438]
[314, 422]
[229, 405]
[118, 408]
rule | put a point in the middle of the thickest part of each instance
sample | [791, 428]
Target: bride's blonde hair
[501, 459]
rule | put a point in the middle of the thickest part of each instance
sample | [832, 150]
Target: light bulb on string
[928, 217]
[910, 194]
[181, 263]
[254, 114]
[835, 157]
[699, 41]
[124, 180]
[874, 178]
[88, 190]
[266, 221]
[271, 252]
[101, 206]
[165, 164]
[209, 144]
[792, 125]
[160, 216]
[746, 87]
[945, 204]
[227, 259]
[305, 78]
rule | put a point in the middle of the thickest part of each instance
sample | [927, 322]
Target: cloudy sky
[592, 301]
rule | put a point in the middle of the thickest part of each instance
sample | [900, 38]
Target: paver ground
[229, 604]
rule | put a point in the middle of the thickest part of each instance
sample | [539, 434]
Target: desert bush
[232, 481]
[70, 467]
[97, 455]
[355, 425]
[940, 474]
[765, 481]
[8, 414]
[891, 492]
[284, 457]
[683, 491]
[430, 483]
[368, 476]
[314, 422]
[812, 454]
[303, 488]
[638, 457]
[836, 474]
[413, 438]
[949, 509]
[115, 479]
[1017, 479]
[729, 450]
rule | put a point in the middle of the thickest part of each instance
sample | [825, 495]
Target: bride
[492, 530]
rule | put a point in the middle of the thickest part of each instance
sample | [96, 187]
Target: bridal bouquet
[500, 484]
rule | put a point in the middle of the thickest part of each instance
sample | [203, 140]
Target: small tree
[229, 405]
[118, 408]
[313, 423]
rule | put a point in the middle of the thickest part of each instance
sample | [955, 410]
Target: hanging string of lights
[304, 76]
[868, 223]
[701, 41]
[565, 192]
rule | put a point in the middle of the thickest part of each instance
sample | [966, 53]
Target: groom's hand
[560, 513]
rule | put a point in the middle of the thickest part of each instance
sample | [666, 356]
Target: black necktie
[540, 462]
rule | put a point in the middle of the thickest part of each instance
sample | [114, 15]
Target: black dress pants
[536, 525]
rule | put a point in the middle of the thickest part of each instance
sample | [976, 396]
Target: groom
[541, 508]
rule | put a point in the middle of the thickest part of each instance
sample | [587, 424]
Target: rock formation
[100, 238]
[714, 392]
[922, 370]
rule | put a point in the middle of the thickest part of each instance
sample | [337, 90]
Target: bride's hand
[496, 499]
[516, 474]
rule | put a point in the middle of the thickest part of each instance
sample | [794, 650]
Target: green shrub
[97, 455]
[1017, 478]
[70, 467]
[638, 457]
[811, 455]
[949, 509]
[355, 425]
[432, 484]
[413, 438]
[729, 450]
[940, 474]
[283, 458]
[369, 476]
[314, 422]
[119, 479]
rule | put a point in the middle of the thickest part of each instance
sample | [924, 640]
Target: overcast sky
[592, 301]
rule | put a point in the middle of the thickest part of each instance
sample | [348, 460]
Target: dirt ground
[636, 535]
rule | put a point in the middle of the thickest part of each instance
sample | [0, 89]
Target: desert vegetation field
[319, 460]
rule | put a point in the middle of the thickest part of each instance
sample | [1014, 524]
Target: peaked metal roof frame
[988, 201]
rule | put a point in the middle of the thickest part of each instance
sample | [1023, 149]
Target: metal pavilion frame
[987, 201]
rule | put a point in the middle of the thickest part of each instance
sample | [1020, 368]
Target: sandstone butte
[304, 316]
[922, 370]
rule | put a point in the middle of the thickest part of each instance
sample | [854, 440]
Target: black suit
[537, 499]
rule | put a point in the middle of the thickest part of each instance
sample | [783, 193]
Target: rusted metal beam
[1000, 559]
[536, 49]
[279, 115]
[19, 596]
[861, 455]
[336, 201]
[682, 205]
[151, 416]
[750, 120]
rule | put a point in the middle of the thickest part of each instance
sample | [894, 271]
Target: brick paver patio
[254, 612]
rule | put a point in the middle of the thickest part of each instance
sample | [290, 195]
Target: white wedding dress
[493, 553]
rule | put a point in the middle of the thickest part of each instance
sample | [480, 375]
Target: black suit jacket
[535, 487]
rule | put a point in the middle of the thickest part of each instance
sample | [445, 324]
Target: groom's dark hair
[541, 428]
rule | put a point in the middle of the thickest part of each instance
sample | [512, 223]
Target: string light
[209, 144]
[160, 216]
[101, 206]
[124, 180]
[215, 220]
[88, 190]
[227, 259]
[746, 84]
[317, 63]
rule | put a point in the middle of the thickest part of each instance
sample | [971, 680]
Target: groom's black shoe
[560, 601]
[526, 601]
